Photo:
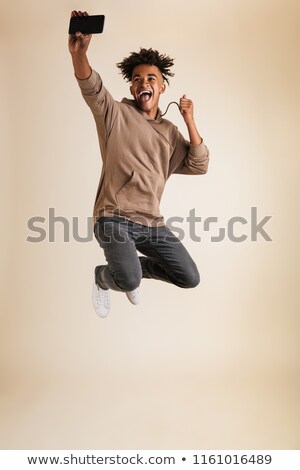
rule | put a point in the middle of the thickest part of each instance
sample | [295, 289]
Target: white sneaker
[134, 296]
[101, 300]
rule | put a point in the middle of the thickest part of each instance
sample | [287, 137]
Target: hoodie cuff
[198, 150]
[91, 84]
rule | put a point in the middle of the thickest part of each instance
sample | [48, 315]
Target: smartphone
[91, 24]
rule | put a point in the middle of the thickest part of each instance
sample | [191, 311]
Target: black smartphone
[91, 24]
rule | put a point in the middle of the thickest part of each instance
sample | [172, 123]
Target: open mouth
[145, 95]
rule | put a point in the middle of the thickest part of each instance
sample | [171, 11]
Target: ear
[162, 89]
[131, 90]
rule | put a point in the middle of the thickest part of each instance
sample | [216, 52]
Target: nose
[144, 80]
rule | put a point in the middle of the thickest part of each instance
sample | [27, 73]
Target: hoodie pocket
[142, 193]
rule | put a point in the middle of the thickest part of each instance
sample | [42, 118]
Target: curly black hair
[146, 56]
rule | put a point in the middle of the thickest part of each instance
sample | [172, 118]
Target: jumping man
[140, 150]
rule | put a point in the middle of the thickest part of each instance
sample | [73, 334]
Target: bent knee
[129, 283]
[193, 281]
[190, 280]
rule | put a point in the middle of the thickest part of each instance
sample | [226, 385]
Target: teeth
[145, 92]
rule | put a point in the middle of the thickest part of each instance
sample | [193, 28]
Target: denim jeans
[165, 258]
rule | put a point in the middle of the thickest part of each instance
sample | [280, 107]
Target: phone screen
[91, 24]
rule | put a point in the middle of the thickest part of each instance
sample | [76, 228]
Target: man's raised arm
[78, 46]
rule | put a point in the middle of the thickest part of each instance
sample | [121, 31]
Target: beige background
[212, 367]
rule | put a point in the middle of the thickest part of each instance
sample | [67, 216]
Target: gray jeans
[166, 259]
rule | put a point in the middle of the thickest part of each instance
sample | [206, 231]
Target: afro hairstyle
[149, 57]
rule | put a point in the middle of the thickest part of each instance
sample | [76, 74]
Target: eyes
[138, 79]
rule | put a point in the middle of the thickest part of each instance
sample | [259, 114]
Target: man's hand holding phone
[79, 42]
[78, 46]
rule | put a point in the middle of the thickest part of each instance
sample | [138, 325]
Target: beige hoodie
[139, 154]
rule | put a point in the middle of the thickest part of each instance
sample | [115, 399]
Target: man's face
[146, 87]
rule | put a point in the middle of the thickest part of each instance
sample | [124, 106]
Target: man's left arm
[194, 154]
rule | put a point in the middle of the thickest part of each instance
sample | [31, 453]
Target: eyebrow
[148, 75]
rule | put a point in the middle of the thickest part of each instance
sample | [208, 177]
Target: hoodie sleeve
[189, 159]
[100, 101]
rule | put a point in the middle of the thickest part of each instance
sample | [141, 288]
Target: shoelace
[134, 293]
[103, 297]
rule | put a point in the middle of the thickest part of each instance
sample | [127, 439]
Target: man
[140, 150]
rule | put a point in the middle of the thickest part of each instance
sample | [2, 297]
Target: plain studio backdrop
[212, 367]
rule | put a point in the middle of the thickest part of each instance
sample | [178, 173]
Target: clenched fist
[186, 108]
